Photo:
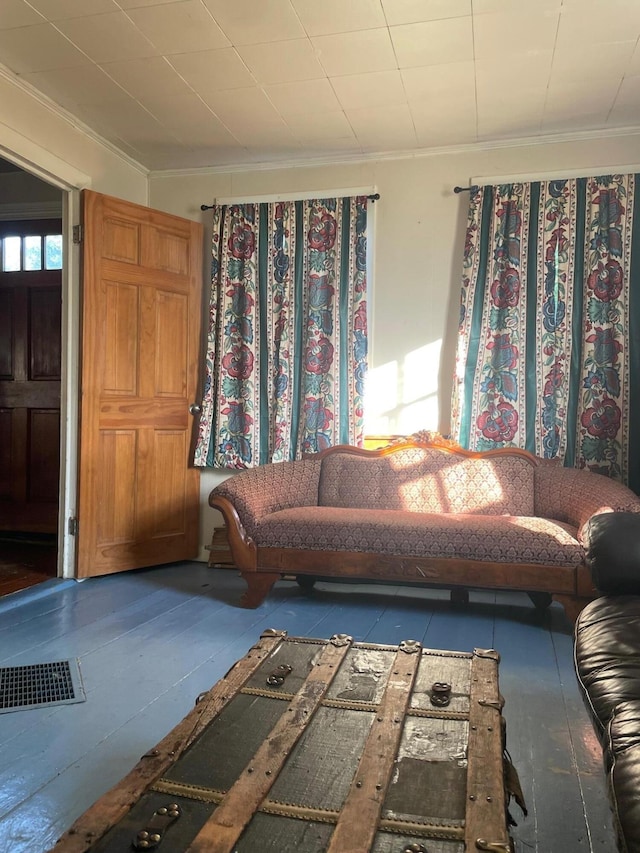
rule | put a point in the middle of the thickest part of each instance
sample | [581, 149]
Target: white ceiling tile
[613, 58]
[125, 118]
[135, 4]
[482, 7]
[179, 27]
[523, 118]
[514, 33]
[355, 53]
[508, 127]
[107, 38]
[375, 89]
[565, 121]
[190, 120]
[309, 128]
[529, 69]
[267, 134]
[629, 93]
[207, 155]
[530, 102]
[385, 128]
[243, 108]
[433, 42]
[414, 11]
[258, 81]
[443, 112]
[435, 81]
[68, 87]
[146, 76]
[634, 63]
[17, 13]
[212, 70]
[338, 16]
[57, 10]
[447, 130]
[579, 28]
[624, 116]
[343, 145]
[38, 48]
[591, 93]
[281, 62]
[251, 22]
[303, 99]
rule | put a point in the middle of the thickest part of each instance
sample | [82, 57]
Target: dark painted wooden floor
[150, 641]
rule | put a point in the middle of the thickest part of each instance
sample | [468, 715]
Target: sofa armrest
[612, 544]
[573, 495]
[269, 488]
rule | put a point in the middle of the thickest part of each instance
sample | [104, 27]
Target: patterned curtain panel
[549, 339]
[287, 343]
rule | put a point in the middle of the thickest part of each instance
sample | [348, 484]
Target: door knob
[195, 409]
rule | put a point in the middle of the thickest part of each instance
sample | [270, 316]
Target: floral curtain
[287, 342]
[549, 338]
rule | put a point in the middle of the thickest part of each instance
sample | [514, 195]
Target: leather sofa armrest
[612, 547]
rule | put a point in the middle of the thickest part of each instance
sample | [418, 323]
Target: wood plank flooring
[25, 562]
[149, 642]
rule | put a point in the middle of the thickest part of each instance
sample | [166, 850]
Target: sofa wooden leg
[258, 587]
[572, 604]
[459, 596]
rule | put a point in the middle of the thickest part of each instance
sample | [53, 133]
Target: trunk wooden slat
[311, 745]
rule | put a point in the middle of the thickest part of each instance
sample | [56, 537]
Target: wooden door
[142, 282]
[30, 311]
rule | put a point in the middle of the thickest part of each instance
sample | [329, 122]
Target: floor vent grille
[40, 685]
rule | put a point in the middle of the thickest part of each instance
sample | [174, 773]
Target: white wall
[420, 226]
[43, 137]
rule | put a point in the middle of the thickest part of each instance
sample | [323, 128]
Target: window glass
[11, 254]
[33, 253]
[53, 251]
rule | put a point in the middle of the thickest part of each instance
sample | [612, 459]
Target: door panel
[142, 285]
[30, 349]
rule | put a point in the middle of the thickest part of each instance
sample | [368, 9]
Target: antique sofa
[419, 512]
[607, 659]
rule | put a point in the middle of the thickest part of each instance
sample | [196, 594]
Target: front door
[141, 316]
[30, 311]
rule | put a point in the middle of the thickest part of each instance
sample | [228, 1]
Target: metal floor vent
[40, 685]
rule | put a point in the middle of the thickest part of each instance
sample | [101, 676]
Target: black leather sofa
[607, 660]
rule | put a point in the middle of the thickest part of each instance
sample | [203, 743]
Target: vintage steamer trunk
[321, 745]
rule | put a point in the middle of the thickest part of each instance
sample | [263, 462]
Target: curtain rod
[372, 197]
[470, 189]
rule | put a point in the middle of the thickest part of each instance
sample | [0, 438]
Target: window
[30, 246]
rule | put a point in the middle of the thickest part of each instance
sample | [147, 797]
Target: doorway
[30, 377]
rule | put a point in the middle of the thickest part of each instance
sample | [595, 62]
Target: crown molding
[414, 154]
[77, 124]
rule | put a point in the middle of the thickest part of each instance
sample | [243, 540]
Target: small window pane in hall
[53, 252]
[33, 253]
[11, 254]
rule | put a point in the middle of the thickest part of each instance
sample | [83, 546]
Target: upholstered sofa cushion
[423, 479]
[607, 652]
[513, 539]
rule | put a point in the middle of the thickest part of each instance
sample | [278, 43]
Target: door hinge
[77, 234]
[73, 526]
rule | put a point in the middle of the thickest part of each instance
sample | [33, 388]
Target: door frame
[70, 182]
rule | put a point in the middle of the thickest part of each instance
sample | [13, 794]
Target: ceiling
[195, 83]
